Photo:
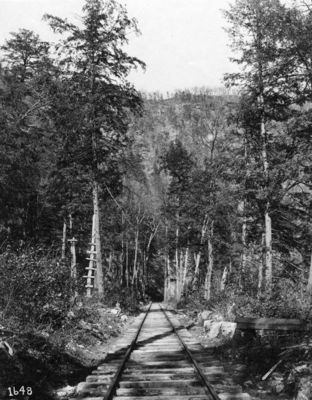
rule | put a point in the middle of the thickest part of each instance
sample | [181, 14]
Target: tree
[25, 54]
[93, 61]
[24, 138]
[178, 162]
[256, 30]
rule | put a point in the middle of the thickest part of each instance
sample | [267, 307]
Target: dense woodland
[196, 195]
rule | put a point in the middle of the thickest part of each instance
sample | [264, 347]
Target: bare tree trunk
[99, 284]
[121, 267]
[177, 258]
[268, 249]
[244, 250]
[110, 261]
[122, 255]
[185, 270]
[197, 257]
[146, 255]
[73, 266]
[309, 286]
[177, 270]
[261, 268]
[244, 225]
[127, 264]
[267, 218]
[177, 266]
[143, 274]
[180, 276]
[99, 264]
[63, 255]
[166, 282]
[73, 269]
[209, 265]
[70, 225]
[224, 278]
[177, 252]
[135, 269]
[143, 280]
[167, 265]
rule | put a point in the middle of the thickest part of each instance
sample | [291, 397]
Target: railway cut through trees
[159, 359]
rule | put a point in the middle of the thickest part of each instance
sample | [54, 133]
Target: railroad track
[158, 360]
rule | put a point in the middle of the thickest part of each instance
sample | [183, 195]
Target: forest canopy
[112, 192]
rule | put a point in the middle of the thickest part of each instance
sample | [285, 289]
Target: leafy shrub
[287, 300]
[34, 287]
[127, 299]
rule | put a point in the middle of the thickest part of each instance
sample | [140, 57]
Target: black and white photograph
[155, 199]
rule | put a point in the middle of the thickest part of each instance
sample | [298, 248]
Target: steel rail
[112, 387]
[198, 369]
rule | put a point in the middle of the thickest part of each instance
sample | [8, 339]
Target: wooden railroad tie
[158, 359]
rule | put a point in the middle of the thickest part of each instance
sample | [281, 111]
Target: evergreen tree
[94, 62]
[256, 31]
[25, 141]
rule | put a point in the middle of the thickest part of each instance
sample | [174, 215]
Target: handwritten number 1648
[13, 391]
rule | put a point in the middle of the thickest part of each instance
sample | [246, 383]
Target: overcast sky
[183, 42]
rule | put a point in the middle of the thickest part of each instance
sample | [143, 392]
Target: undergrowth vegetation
[288, 300]
[35, 288]
[36, 291]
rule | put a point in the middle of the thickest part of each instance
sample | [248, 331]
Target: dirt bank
[49, 363]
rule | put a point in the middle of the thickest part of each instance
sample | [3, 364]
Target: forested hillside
[204, 174]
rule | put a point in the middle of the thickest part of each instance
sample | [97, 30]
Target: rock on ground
[214, 329]
[234, 396]
[228, 329]
[206, 314]
[305, 388]
[65, 391]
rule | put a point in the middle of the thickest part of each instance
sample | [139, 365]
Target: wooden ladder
[91, 269]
